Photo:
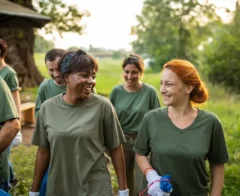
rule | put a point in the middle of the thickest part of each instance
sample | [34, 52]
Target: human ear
[66, 78]
[189, 89]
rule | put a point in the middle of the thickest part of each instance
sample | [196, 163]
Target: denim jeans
[4, 186]
[11, 172]
[43, 187]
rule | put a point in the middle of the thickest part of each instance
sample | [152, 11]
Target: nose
[129, 75]
[91, 79]
[162, 88]
[56, 74]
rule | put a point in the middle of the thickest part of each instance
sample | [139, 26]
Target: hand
[33, 193]
[17, 140]
[158, 185]
[154, 183]
[123, 192]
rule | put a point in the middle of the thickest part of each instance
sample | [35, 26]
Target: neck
[63, 84]
[133, 88]
[71, 99]
[181, 111]
[2, 63]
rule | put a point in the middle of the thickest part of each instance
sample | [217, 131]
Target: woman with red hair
[181, 137]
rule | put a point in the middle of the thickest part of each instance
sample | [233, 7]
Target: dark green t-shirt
[46, 90]
[7, 111]
[77, 137]
[182, 153]
[132, 106]
[10, 77]
[49, 89]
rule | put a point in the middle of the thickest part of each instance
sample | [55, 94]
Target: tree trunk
[20, 52]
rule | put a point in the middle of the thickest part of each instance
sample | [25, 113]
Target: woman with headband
[132, 100]
[72, 132]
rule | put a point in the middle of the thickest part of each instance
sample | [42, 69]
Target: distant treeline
[42, 45]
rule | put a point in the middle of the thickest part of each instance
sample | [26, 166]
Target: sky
[109, 25]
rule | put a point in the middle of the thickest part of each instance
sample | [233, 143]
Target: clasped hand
[154, 184]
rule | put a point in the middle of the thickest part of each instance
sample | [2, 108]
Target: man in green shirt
[56, 84]
[9, 127]
[49, 89]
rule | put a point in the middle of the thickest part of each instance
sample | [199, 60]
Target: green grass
[39, 60]
[221, 102]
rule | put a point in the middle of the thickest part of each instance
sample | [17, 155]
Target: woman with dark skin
[73, 130]
[181, 137]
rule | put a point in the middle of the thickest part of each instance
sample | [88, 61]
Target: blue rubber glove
[165, 185]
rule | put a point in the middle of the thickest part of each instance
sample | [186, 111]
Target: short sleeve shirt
[46, 90]
[77, 136]
[182, 153]
[7, 111]
[132, 106]
[10, 77]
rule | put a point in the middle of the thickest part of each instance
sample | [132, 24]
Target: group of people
[76, 127]
[10, 112]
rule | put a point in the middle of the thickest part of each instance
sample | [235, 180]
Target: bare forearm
[217, 179]
[143, 163]
[41, 164]
[8, 132]
[16, 98]
[119, 165]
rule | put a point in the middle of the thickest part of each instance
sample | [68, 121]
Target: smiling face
[131, 75]
[54, 72]
[173, 90]
[80, 84]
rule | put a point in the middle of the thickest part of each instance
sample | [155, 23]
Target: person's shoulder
[118, 87]
[99, 98]
[116, 90]
[46, 83]
[156, 111]
[10, 70]
[208, 115]
[149, 87]
[51, 101]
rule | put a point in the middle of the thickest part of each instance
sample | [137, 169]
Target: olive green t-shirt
[10, 77]
[46, 90]
[77, 136]
[131, 106]
[182, 153]
[8, 111]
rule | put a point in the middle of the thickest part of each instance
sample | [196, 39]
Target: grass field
[224, 104]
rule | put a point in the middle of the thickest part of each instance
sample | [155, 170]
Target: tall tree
[21, 40]
[171, 29]
[221, 55]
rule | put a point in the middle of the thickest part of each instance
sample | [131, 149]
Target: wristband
[144, 173]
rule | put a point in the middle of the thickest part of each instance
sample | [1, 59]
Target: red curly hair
[190, 76]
